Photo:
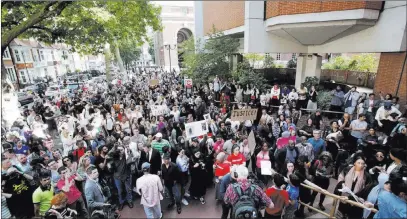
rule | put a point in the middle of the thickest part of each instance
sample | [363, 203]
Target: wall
[224, 15]
[276, 8]
[388, 75]
[348, 77]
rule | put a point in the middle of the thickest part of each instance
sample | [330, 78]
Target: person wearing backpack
[245, 198]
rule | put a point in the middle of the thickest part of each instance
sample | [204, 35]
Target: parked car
[35, 87]
[24, 98]
[55, 90]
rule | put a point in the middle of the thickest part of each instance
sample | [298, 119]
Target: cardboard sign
[154, 82]
[195, 129]
[188, 83]
[243, 115]
[158, 110]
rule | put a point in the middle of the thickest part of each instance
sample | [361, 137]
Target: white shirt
[109, 123]
[176, 115]
[149, 186]
[293, 96]
[383, 114]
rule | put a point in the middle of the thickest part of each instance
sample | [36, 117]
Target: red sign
[188, 83]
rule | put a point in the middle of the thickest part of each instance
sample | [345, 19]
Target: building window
[10, 74]
[278, 57]
[34, 52]
[267, 55]
[23, 77]
[294, 56]
[6, 54]
[17, 55]
[42, 55]
[45, 71]
[26, 55]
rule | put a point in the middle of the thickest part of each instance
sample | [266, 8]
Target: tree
[292, 64]
[203, 62]
[268, 62]
[85, 25]
[254, 58]
[129, 51]
[244, 74]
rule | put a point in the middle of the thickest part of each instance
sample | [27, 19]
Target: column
[254, 31]
[308, 65]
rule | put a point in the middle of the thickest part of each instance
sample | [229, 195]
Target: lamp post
[169, 47]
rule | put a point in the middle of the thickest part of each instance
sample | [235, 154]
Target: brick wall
[224, 15]
[276, 8]
[388, 75]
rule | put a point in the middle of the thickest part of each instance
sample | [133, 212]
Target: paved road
[210, 209]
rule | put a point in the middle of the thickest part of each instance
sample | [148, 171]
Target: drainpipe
[401, 73]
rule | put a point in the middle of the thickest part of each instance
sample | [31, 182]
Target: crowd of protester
[114, 147]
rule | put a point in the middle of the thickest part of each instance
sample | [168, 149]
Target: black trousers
[226, 209]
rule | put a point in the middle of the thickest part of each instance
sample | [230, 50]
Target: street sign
[188, 83]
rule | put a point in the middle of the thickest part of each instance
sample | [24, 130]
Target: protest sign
[195, 129]
[265, 166]
[243, 114]
[188, 83]
[252, 142]
[157, 110]
[154, 82]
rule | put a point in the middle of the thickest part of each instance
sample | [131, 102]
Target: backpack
[245, 207]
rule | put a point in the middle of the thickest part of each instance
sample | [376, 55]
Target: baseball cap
[159, 135]
[387, 105]
[145, 165]
[166, 156]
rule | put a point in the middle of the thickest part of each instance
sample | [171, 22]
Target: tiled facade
[224, 15]
[277, 8]
[388, 75]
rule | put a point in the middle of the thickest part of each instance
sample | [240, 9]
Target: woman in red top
[236, 158]
[120, 115]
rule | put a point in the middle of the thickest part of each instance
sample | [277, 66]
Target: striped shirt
[158, 145]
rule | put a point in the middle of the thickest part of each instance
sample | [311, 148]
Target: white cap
[159, 135]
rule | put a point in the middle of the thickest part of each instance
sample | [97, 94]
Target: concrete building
[26, 60]
[177, 18]
[309, 28]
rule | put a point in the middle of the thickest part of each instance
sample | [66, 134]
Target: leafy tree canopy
[85, 25]
[204, 61]
[364, 62]
[128, 51]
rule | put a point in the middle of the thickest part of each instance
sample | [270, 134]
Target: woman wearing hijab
[199, 174]
[376, 164]
[323, 172]
[374, 194]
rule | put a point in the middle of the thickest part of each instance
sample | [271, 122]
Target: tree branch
[45, 12]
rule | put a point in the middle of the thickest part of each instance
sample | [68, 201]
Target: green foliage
[268, 62]
[279, 66]
[128, 51]
[324, 99]
[253, 58]
[203, 61]
[311, 81]
[364, 62]
[244, 75]
[292, 64]
[85, 25]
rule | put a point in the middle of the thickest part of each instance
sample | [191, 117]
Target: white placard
[207, 117]
[195, 129]
[265, 166]
[158, 110]
[252, 142]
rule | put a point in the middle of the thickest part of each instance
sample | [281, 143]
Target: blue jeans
[127, 185]
[153, 212]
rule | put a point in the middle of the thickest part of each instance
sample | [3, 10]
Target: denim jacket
[391, 206]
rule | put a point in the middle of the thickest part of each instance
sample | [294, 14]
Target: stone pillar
[308, 65]
[254, 26]
[392, 76]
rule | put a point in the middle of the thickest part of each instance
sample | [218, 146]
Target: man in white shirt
[384, 117]
[370, 107]
[149, 186]
[176, 113]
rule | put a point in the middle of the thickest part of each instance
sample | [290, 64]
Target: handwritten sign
[158, 110]
[154, 82]
[188, 83]
[244, 114]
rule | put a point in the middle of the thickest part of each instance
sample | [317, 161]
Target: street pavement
[211, 209]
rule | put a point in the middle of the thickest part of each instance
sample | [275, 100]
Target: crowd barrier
[336, 199]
